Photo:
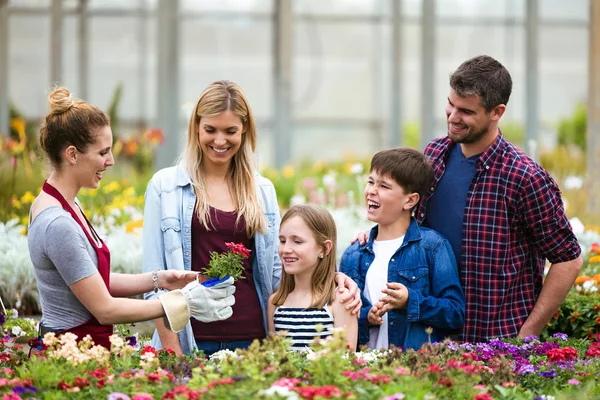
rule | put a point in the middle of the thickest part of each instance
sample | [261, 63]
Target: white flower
[15, 313]
[297, 199]
[16, 330]
[573, 182]
[329, 179]
[281, 392]
[222, 355]
[356, 169]
[590, 286]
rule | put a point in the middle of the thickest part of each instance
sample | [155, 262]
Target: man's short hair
[485, 77]
[408, 167]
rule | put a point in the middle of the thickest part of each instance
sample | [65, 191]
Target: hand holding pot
[206, 304]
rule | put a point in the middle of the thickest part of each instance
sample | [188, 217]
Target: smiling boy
[407, 274]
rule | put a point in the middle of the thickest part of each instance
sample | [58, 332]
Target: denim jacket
[167, 237]
[425, 264]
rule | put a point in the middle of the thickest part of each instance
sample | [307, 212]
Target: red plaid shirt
[514, 221]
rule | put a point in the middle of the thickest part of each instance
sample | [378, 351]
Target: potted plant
[224, 265]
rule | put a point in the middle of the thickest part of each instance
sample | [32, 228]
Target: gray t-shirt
[61, 255]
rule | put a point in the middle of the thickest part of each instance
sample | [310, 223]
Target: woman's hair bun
[60, 100]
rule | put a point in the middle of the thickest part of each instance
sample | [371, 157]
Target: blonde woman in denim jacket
[214, 195]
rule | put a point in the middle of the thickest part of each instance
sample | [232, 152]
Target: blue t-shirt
[446, 207]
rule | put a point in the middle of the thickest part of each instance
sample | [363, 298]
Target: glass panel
[108, 4]
[332, 70]
[29, 63]
[563, 65]
[227, 5]
[241, 52]
[481, 8]
[341, 7]
[115, 59]
[29, 4]
[71, 59]
[565, 10]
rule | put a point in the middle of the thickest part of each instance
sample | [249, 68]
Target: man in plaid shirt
[502, 212]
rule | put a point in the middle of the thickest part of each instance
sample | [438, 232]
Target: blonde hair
[321, 224]
[69, 123]
[217, 98]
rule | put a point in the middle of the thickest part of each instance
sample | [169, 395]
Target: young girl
[306, 296]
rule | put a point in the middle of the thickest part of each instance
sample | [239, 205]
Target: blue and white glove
[206, 304]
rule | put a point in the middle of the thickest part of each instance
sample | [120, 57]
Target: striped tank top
[301, 324]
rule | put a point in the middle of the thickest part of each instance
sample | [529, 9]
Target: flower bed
[528, 369]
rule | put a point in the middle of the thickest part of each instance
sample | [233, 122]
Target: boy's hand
[397, 297]
[373, 317]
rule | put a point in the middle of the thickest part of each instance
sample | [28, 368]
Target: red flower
[446, 382]
[311, 392]
[63, 385]
[81, 382]
[483, 396]
[564, 354]
[238, 248]
[149, 349]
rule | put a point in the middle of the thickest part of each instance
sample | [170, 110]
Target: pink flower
[142, 396]
[286, 382]
[573, 381]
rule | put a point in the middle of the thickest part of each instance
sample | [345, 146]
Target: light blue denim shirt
[167, 237]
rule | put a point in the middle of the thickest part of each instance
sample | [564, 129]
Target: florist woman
[214, 196]
[78, 293]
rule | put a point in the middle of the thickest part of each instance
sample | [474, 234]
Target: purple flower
[19, 389]
[561, 336]
[530, 338]
[131, 340]
[2, 319]
[526, 369]
[548, 374]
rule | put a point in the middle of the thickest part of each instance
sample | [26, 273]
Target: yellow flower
[18, 124]
[288, 172]
[132, 226]
[23, 231]
[15, 202]
[112, 187]
[319, 166]
[27, 198]
[130, 191]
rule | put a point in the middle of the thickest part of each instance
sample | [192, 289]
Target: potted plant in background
[224, 265]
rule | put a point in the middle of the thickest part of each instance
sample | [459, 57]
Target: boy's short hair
[408, 167]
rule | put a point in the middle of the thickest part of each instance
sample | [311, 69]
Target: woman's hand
[349, 292]
[174, 279]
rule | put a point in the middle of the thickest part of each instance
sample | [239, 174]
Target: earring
[321, 256]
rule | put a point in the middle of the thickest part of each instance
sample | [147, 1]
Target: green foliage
[513, 132]
[228, 263]
[573, 130]
[412, 135]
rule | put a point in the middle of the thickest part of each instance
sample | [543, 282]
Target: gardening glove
[206, 304]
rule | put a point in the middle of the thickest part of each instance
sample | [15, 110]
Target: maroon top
[247, 320]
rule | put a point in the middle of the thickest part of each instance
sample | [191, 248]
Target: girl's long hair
[322, 226]
[217, 98]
